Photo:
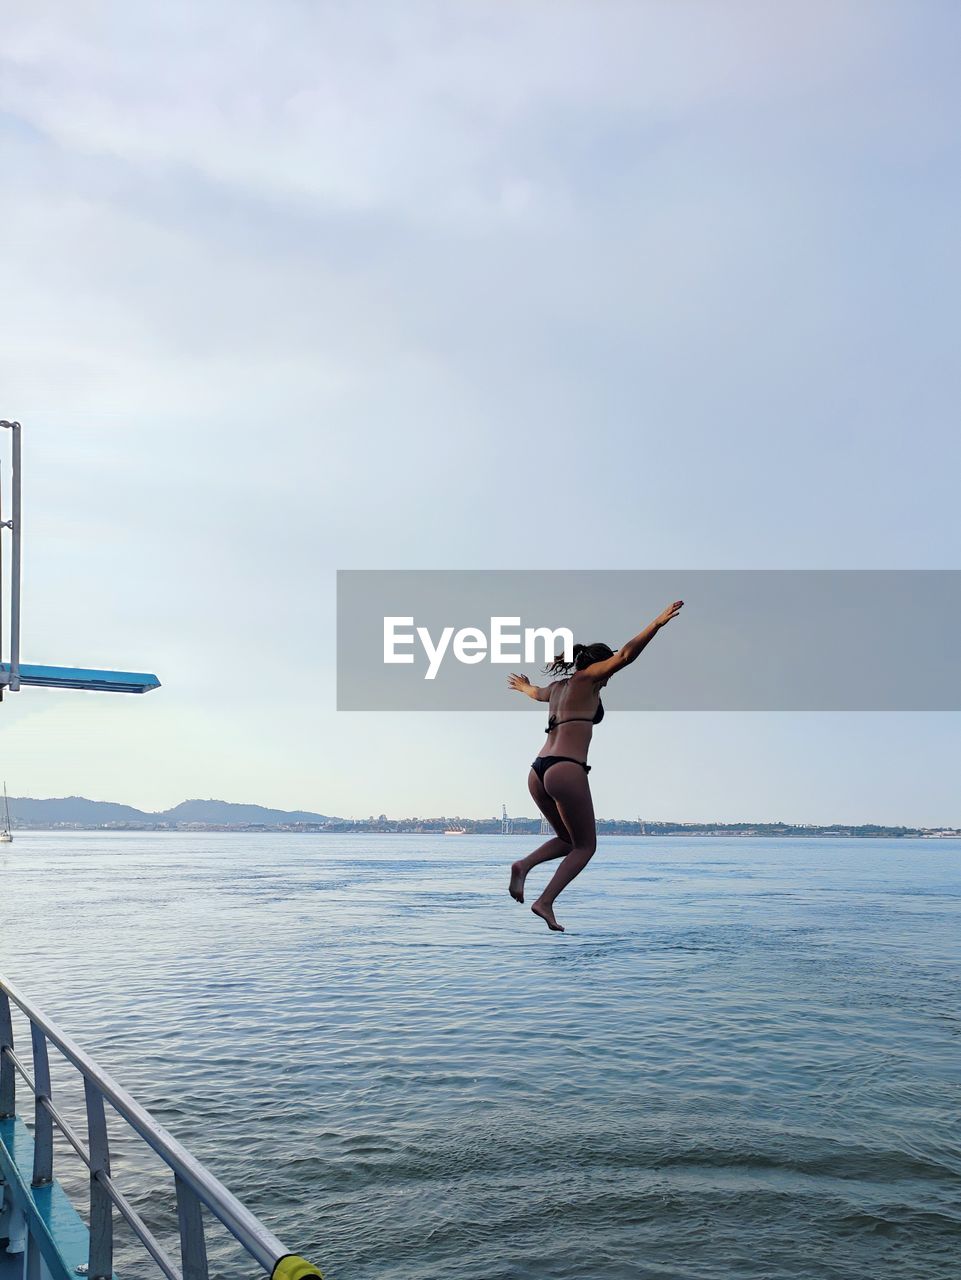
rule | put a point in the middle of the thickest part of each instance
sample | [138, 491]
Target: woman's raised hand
[670, 612]
[520, 683]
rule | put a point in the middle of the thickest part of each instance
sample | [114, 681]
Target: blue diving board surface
[82, 678]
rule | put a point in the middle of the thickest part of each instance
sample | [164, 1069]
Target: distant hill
[222, 811]
[76, 810]
[73, 809]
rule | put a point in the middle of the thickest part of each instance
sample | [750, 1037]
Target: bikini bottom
[543, 763]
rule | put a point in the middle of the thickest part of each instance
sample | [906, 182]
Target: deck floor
[11, 1265]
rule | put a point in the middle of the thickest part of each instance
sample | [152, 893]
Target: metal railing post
[42, 1119]
[34, 1262]
[193, 1246]
[100, 1260]
[8, 1072]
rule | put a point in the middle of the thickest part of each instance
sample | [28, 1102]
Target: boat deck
[66, 1241]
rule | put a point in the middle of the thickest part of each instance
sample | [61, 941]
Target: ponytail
[583, 655]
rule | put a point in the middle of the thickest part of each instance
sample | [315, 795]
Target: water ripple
[740, 1061]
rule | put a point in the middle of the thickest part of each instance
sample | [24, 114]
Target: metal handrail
[194, 1185]
[44, 1159]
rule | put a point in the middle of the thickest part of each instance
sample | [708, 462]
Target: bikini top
[596, 718]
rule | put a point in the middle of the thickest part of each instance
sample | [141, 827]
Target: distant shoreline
[77, 813]
[528, 827]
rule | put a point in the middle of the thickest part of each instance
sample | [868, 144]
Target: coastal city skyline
[77, 813]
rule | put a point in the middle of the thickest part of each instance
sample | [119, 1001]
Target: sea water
[742, 1059]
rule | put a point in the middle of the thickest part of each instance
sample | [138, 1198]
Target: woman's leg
[568, 787]
[557, 847]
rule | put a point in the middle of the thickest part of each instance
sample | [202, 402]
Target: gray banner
[746, 640]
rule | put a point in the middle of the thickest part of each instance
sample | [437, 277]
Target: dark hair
[584, 655]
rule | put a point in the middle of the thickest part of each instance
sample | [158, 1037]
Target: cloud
[435, 113]
[302, 286]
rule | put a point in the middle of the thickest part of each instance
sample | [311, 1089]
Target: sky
[295, 287]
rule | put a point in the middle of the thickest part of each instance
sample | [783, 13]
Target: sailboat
[5, 836]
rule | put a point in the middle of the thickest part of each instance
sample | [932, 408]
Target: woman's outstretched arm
[523, 685]
[628, 652]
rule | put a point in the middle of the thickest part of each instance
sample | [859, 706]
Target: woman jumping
[558, 777]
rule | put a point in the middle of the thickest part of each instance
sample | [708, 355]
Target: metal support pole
[193, 1247]
[13, 680]
[8, 1072]
[2, 527]
[15, 566]
[100, 1258]
[42, 1119]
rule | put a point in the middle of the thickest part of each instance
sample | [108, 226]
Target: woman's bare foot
[547, 914]
[518, 876]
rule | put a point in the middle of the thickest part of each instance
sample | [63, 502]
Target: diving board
[81, 678]
[14, 674]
